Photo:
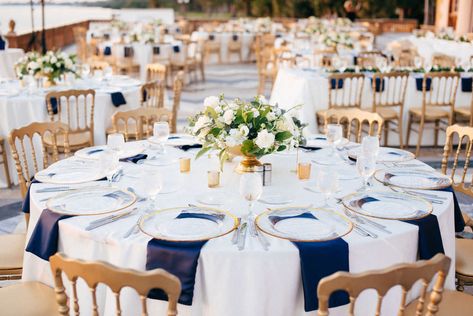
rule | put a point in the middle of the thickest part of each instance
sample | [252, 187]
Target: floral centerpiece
[51, 65]
[251, 129]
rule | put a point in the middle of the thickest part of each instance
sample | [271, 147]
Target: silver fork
[358, 226]
[366, 221]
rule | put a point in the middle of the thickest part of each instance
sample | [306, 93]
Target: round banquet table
[8, 58]
[228, 281]
[224, 38]
[309, 88]
[21, 109]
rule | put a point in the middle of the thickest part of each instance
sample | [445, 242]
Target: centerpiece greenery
[250, 129]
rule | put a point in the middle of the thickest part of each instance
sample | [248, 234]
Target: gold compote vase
[249, 163]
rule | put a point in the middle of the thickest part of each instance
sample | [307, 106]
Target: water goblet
[328, 184]
[149, 185]
[370, 145]
[334, 135]
[161, 133]
[115, 142]
[366, 166]
[251, 188]
[109, 163]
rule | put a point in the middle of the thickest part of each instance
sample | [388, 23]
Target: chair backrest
[140, 121]
[96, 272]
[28, 148]
[405, 275]
[354, 120]
[156, 71]
[74, 108]
[442, 60]
[439, 89]
[176, 101]
[463, 137]
[389, 89]
[97, 64]
[344, 90]
[369, 58]
[152, 94]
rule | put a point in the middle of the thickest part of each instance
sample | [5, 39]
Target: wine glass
[334, 135]
[161, 133]
[30, 83]
[109, 163]
[370, 145]
[328, 184]
[85, 70]
[251, 188]
[115, 142]
[366, 166]
[149, 185]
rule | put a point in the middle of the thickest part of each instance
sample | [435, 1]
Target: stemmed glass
[161, 133]
[334, 135]
[328, 184]
[251, 188]
[370, 146]
[366, 166]
[109, 163]
[149, 185]
[115, 142]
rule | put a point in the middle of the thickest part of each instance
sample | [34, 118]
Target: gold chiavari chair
[80, 34]
[212, 47]
[442, 92]
[138, 123]
[344, 91]
[440, 302]
[406, 58]
[355, 120]
[369, 58]
[389, 92]
[176, 101]
[156, 71]
[190, 62]
[125, 63]
[461, 182]
[95, 272]
[4, 161]
[234, 47]
[98, 65]
[152, 94]
[442, 60]
[76, 109]
[463, 114]
[267, 69]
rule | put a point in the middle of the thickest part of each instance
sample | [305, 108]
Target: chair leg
[409, 126]
[386, 133]
[5, 164]
[436, 133]
[400, 132]
[419, 138]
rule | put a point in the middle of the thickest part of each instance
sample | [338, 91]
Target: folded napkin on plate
[276, 219]
[178, 258]
[319, 260]
[44, 239]
[156, 50]
[135, 158]
[107, 51]
[176, 48]
[187, 147]
[419, 82]
[336, 84]
[459, 221]
[117, 98]
[467, 83]
[379, 85]
[430, 240]
[216, 218]
[306, 147]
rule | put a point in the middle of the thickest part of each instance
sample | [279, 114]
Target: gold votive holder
[213, 178]
[303, 170]
[185, 165]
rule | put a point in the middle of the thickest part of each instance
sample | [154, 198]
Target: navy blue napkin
[467, 83]
[178, 258]
[235, 37]
[419, 82]
[135, 158]
[211, 37]
[44, 239]
[336, 85]
[118, 98]
[187, 147]
[355, 60]
[210, 217]
[128, 51]
[53, 102]
[176, 48]
[318, 260]
[430, 241]
[379, 85]
[156, 50]
[309, 147]
[275, 219]
[107, 51]
[459, 221]
[3, 43]
[25, 208]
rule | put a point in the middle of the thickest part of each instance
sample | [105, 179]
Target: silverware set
[239, 235]
[110, 219]
[432, 198]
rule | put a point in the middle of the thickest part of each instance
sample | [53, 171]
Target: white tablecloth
[23, 109]
[310, 89]
[231, 282]
[8, 58]
[224, 38]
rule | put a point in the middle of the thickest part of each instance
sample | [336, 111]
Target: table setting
[198, 214]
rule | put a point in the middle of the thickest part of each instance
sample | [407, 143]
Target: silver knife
[362, 229]
[53, 189]
[110, 220]
[242, 236]
[235, 233]
[363, 220]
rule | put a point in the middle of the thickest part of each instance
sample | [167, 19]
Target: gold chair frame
[4, 161]
[152, 94]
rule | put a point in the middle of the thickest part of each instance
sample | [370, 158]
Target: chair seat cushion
[453, 303]
[463, 110]
[12, 247]
[464, 256]
[431, 112]
[387, 113]
[81, 139]
[28, 298]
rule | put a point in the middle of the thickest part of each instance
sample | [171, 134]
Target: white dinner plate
[129, 150]
[413, 178]
[386, 154]
[70, 174]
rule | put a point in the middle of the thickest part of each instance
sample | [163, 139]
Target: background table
[224, 38]
[228, 281]
[8, 58]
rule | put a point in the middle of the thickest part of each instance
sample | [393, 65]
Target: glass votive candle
[185, 165]
[303, 170]
[213, 178]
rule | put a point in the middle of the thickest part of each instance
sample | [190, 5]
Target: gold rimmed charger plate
[397, 155]
[340, 219]
[116, 193]
[382, 176]
[232, 223]
[348, 201]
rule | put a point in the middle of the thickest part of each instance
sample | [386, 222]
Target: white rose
[211, 101]
[53, 60]
[33, 65]
[270, 116]
[228, 117]
[244, 130]
[201, 122]
[234, 138]
[264, 139]
[232, 105]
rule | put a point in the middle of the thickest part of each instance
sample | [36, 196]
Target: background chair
[176, 101]
[4, 161]
[115, 278]
[234, 47]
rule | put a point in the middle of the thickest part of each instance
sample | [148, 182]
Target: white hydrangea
[201, 122]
